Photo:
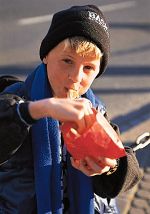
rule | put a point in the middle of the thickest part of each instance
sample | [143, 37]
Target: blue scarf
[46, 140]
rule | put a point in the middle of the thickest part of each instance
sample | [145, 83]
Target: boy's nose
[76, 75]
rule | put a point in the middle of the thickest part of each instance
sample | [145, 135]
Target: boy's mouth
[72, 94]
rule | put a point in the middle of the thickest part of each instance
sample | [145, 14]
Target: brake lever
[142, 141]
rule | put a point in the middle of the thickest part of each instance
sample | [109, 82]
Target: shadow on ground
[17, 70]
[133, 118]
[143, 157]
[129, 121]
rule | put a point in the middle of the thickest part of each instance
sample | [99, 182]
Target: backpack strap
[7, 80]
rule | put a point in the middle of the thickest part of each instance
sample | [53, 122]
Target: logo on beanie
[95, 17]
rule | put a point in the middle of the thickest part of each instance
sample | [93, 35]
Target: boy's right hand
[78, 111]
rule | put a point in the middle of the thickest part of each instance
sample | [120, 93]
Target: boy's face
[68, 71]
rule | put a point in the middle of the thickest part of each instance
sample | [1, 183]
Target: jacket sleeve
[127, 175]
[13, 130]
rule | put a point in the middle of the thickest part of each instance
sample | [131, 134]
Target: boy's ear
[45, 60]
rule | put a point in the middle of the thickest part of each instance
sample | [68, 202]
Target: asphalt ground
[137, 200]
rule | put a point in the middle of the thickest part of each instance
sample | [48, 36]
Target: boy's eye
[88, 67]
[68, 61]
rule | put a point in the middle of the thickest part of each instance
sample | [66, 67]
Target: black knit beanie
[87, 21]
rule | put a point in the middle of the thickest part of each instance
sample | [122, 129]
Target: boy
[37, 174]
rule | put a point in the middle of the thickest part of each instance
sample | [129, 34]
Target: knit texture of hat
[86, 21]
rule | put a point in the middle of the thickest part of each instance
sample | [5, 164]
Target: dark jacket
[16, 164]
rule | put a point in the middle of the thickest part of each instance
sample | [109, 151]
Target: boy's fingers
[107, 162]
[93, 165]
[89, 168]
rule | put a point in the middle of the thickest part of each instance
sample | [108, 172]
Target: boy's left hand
[92, 167]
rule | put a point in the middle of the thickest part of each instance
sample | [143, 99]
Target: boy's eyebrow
[66, 53]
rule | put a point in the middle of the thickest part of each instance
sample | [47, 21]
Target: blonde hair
[83, 46]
